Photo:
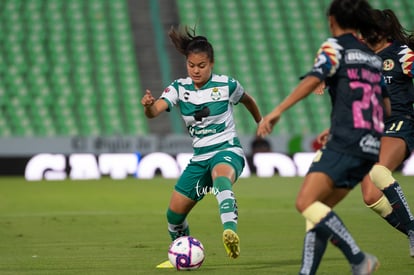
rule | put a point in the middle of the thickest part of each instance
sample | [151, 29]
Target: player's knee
[369, 199]
[316, 212]
[381, 176]
[371, 195]
[301, 205]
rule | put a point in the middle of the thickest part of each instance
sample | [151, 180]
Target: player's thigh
[228, 164]
[317, 186]
[337, 195]
[195, 181]
[397, 142]
[370, 192]
[393, 152]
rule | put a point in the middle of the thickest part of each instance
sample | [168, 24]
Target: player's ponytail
[186, 42]
[389, 27]
[394, 30]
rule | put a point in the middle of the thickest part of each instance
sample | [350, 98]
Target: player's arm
[387, 106]
[251, 106]
[153, 107]
[304, 88]
[385, 99]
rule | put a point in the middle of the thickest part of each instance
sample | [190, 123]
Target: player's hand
[320, 90]
[265, 127]
[148, 99]
[322, 138]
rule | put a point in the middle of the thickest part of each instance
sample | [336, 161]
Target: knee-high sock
[227, 203]
[177, 224]
[329, 226]
[384, 180]
[383, 208]
[314, 247]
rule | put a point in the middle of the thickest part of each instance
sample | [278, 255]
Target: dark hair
[353, 14]
[186, 42]
[388, 26]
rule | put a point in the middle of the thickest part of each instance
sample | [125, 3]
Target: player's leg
[227, 166]
[326, 223]
[177, 212]
[393, 152]
[378, 202]
[331, 170]
[223, 190]
[187, 191]
[183, 199]
[314, 244]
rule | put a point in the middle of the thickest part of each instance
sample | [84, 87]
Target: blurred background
[72, 72]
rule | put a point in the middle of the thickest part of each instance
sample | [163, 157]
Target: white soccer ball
[186, 253]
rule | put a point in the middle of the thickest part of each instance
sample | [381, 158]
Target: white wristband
[261, 120]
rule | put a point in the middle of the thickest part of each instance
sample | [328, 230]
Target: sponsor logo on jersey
[388, 65]
[370, 144]
[355, 56]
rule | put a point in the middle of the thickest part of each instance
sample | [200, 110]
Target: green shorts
[195, 181]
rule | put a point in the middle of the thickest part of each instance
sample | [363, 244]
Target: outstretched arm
[304, 88]
[153, 107]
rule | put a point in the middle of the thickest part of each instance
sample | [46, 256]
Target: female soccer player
[353, 74]
[206, 103]
[395, 46]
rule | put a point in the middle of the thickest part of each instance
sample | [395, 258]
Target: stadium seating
[68, 68]
[263, 44]
[267, 46]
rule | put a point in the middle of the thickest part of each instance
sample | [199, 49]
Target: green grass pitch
[119, 227]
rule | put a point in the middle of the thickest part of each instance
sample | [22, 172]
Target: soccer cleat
[411, 242]
[231, 243]
[367, 266]
[166, 264]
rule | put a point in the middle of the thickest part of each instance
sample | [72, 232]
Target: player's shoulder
[404, 50]
[331, 43]
[182, 81]
[222, 78]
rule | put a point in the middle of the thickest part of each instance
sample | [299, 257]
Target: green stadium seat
[70, 53]
[76, 53]
[263, 45]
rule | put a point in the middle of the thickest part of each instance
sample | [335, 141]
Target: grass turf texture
[119, 227]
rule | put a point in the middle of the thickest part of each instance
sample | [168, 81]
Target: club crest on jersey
[215, 94]
[388, 65]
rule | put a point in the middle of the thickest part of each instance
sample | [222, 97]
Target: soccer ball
[186, 253]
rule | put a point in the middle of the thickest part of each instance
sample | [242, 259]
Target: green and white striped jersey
[208, 113]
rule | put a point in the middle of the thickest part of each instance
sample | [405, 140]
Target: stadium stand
[267, 46]
[68, 68]
[263, 45]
